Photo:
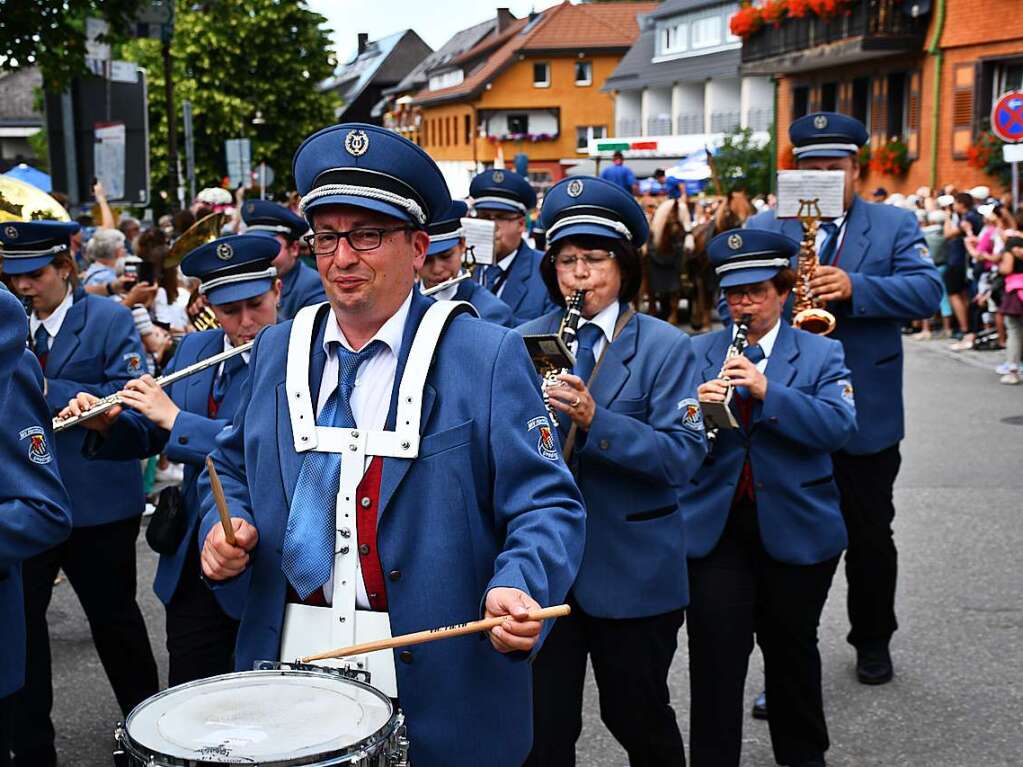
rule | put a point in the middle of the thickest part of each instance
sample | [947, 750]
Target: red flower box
[747, 20]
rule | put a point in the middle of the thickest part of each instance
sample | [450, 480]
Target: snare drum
[279, 718]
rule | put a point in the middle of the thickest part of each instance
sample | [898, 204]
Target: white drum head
[259, 716]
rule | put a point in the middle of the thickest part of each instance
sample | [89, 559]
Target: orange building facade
[533, 90]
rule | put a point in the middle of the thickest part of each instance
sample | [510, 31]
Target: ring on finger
[577, 401]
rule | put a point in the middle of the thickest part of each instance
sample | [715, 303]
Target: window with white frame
[674, 38]
[541, 74]
[697, 33]
[583, 73]
[707, 31]
[586, 133]
[446, 79]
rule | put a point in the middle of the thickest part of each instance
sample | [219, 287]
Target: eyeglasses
[498, 218]
[594, 259]
[362, 239]
[757, 294]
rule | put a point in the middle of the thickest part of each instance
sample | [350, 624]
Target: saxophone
[567, 333]
[808, 313]
[717, 414]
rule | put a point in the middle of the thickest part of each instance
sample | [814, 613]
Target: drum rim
[368, 744]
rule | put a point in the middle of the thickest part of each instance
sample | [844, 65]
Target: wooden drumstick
[432, 635]
[218, 498]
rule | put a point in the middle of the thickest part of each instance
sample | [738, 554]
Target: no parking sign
[1007, 117]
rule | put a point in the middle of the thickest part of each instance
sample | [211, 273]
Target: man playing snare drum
[451, 501]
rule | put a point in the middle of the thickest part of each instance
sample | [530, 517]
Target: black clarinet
[567, 331]
[739, 343]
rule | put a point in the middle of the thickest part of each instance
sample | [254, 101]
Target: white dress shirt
[227, 347]
[766, 343]
[54, 322]
[371, 397]
[605, 319]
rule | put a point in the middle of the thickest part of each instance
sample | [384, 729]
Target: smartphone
[147, 272]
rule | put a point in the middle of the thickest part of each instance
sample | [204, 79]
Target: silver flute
[113, 400]
[462, 276]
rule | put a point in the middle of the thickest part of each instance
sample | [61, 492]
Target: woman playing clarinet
[762, 514]
[632, 433]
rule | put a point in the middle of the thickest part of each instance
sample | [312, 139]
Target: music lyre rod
[432, 635]
[218, 498]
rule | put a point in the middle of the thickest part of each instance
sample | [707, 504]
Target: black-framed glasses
[594, 259]
[361, 239]
[757, 294]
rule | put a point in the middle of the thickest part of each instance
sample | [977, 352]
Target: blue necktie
[754, 354]
[42, 344]
[827, 253]
[231, 367]
[308, 552]
[491, 275]
[585, 360]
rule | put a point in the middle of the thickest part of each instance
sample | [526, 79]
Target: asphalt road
[957, 698]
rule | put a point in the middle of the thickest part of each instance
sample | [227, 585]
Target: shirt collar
[228, 346]
[56, 318]
[505, 263]
[606, 319]
[766, 342]
[390, 332]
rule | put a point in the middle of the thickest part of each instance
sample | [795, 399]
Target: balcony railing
[882, 24]
[759, 119]
[689, 124]
[724, 122]
[629, 126]
[658, 126]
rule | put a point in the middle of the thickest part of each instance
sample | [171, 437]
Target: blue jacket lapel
[614, 370]
[518, 277]
[201, 384]
[715, 355]
[780, 368]
[854, 246]
[67, 340]
[394, 469]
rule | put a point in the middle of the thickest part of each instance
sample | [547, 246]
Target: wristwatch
[110, 288]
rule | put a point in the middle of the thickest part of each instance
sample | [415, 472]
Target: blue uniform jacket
[807, 414]
[35, 511]
[524, 290]
[98, 351]
[480, 507]
[299, 287]
[631, 465]
[488, 306]
[193, 437]
[893, 280]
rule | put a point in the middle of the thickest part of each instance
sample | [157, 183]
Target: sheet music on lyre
[818, 193]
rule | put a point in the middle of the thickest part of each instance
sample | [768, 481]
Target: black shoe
[874, 665]
[760, 707]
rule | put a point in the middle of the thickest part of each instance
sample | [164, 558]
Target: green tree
[743, 163]
[50, 34]
[232, 59]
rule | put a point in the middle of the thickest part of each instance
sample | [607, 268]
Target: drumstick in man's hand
[218, 498]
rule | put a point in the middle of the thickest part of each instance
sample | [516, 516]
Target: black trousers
[737, 591]
[200, 636]
[871, 561]
[100, 566]
[631, 658]
[6, 729]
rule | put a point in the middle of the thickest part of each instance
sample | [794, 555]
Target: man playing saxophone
[762, 515]
[874, 274]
